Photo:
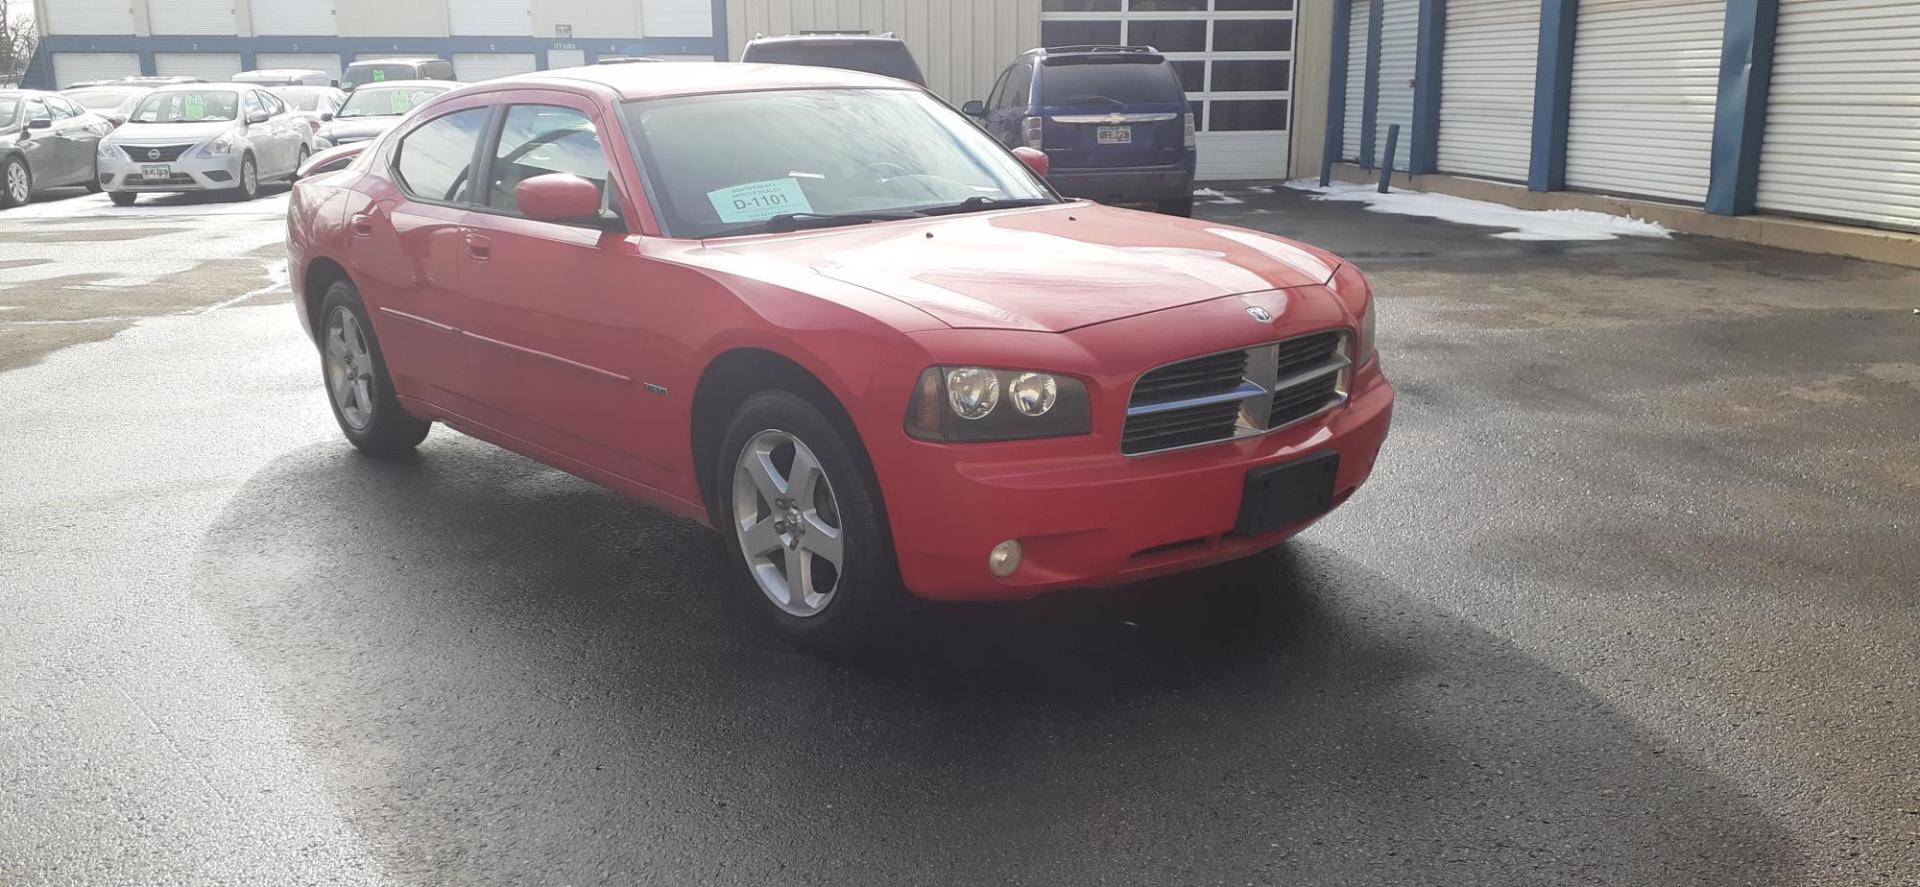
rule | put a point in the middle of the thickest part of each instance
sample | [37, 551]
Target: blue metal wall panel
[1423, 154]
[1553, 95]
[1740, 114]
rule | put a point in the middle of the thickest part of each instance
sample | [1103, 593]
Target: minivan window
[886, 58]
[360, 74]
[1108, 83]
[435, 161]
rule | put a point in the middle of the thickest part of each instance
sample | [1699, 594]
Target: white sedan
[203, 137]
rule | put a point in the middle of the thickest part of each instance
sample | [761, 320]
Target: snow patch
[1527, 224]
[1216, 197]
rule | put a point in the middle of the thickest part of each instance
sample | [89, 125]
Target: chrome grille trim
[1282, 384]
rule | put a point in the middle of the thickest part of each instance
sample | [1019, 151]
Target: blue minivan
[1113, 120]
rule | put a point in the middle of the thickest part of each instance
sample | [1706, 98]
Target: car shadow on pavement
[509, 676]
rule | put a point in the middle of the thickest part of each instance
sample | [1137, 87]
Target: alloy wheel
[349, 364]
[249, 178]
[788, 523]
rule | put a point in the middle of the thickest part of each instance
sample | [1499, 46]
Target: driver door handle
[478, 246]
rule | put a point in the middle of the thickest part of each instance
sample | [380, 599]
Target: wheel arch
[322, 273]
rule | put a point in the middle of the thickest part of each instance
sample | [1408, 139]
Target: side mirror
[257, 118]
[562, 198]
[974, 108]
[326, 116]
[1035, 159]
[40, 123]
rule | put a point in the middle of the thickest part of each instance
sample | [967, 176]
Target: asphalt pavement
[1632, 599]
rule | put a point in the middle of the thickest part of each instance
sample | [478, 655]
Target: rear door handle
[362, 224]
[479, 247]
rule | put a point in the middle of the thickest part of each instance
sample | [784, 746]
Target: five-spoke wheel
[790, 528]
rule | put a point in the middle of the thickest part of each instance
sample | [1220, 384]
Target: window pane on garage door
[1072, 33]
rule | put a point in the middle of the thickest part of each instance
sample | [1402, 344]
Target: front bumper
[188, 173]
[1124, 185]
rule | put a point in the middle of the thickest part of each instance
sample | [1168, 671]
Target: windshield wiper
[796, 221]
[984, 202]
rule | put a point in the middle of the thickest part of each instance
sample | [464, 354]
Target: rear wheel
[16, 182]
[122, 198]
[807, 542]
[358, 386]
[1182, 206]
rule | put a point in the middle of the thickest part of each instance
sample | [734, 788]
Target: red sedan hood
[1052, 269]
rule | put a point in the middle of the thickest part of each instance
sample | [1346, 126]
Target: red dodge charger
[825, 314]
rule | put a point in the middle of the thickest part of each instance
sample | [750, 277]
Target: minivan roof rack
[1096, 47]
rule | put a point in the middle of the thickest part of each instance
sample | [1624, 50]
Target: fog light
[1005, 558]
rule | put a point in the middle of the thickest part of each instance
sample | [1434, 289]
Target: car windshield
[360, 74]
[385, 101]
[187, 107]
[301, 99]
[1130, 83]
[101, 99]
[731, 164]
[9, 111]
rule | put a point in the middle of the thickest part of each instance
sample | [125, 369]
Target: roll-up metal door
[490, 18]
[316, 61]
[213, 67]
[72, 67]
[472, 67]
[1843, 118]
[676, 18]
[1399, 46]
[1356, 78]
[1486, 103]
[1646, 74]
[88, 17]
[566, 58]
[195, 17]
[297, 18]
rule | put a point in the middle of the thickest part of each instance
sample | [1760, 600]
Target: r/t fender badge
[1260, 314]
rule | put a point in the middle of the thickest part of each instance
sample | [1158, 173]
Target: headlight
[219, 147]
[959, 404]
[108, 149]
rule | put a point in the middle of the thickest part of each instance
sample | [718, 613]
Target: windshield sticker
[759, 201]
[379, 73]
[402, 101]
[195, 107]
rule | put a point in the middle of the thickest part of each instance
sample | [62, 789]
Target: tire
[848, 604]
[1179, 207]
[122, 198]
[249, 186]
[93, 184]
[358, 387]
[16, 183]
[298, 162]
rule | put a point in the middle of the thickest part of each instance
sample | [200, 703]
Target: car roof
[829, 38]
[410, 84]
[397, 60]
[700, 78]
[1095, 49]
[208, 87]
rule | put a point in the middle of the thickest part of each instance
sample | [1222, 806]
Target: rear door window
[1111, 83]
[435, 161]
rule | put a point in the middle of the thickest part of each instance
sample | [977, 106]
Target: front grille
[178, 178]
[1236, 393]
[146, 153]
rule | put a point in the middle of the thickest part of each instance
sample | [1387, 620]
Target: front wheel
[358, 386]
[807, 539]
[249, 179]
[122, 198]
[16, 182]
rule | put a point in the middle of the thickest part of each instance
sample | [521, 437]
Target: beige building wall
[391, 18]
[961, 45]
[589, 18]
[1312, 68]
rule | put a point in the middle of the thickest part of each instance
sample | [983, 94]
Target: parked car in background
[622, 59]
[203, 137]
[285, 77]
[46, 141]
[878, 354]
[315, 105]
[113, 101]
[1113, 120]
[375, 108]
[387, 70]
[882, 54]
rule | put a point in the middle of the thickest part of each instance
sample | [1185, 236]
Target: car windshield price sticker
[194, 107]
[402, 101]
[759, 201]
[379, 73]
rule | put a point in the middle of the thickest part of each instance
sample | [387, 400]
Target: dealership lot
[1631, 600]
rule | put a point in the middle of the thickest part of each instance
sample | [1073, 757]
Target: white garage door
[490, 18]
[1646, 74]
[1486, 103]
[1843, 118]
[296, 18]
[677, 18]
[88, 17]
[566, 58]
[1356, 79]
[72, 67]
[1399, 48]
[472, 67]
[197, 17]
[316, 61]
[213, 67]
[1236, 65]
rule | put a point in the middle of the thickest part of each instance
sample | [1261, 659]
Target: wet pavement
[1632, 599]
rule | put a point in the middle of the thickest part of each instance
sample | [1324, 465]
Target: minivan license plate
[160, 171]
[1115, 135]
